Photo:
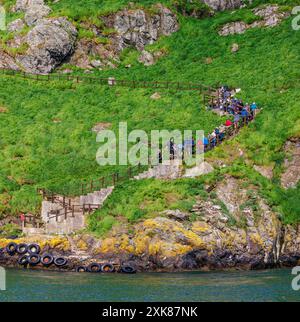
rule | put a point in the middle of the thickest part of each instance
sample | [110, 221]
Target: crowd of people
[229, 104]
[239, 114]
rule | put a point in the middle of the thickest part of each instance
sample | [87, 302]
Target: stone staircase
[64, 216]
[169, 169]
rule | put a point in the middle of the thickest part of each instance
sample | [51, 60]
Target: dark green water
[272, 285]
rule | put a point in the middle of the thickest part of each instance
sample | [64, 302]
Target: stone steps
[86, 203]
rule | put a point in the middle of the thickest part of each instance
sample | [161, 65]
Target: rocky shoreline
[196, 260]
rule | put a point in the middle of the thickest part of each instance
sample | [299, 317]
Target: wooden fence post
[129, 172]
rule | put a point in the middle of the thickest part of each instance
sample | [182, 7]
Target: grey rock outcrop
[231, 28]
[16, 25]
[137, 28]
[221, 5]
[270, 16]
[7, 62]
[23, 5]
[36, 12]
[146, 58]
[50, 42]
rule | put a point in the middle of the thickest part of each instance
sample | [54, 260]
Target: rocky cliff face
[137, 28]
[51, 41]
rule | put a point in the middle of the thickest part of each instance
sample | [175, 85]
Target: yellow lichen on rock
[141, 244]
[125, 244]
[82, 245]
[108, 245]
[200, 227]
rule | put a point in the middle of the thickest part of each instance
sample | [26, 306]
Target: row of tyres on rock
[105, 268]
[29, 255]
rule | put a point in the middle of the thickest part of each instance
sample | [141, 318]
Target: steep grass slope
[36, 150]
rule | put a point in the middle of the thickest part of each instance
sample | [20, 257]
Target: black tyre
[80, 269]
[11, 248]
[107, 268]
[22, 249]
[23, 260]
[127, 269]
[34, 259]
[34, 249]
[47, 259]
[94, 268]
[60, 261]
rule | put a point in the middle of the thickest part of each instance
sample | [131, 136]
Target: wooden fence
[208, 92]
[89, 186]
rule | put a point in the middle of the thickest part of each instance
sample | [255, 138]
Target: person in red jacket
[228, 123]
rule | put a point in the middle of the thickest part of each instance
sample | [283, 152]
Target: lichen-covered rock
[50, 42]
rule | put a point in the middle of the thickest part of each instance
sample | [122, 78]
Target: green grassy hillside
[38, 151]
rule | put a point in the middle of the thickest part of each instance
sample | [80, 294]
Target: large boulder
[50, 42]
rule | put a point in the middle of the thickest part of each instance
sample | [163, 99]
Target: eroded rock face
[137, 28]
[50, 42]
[291, 175]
